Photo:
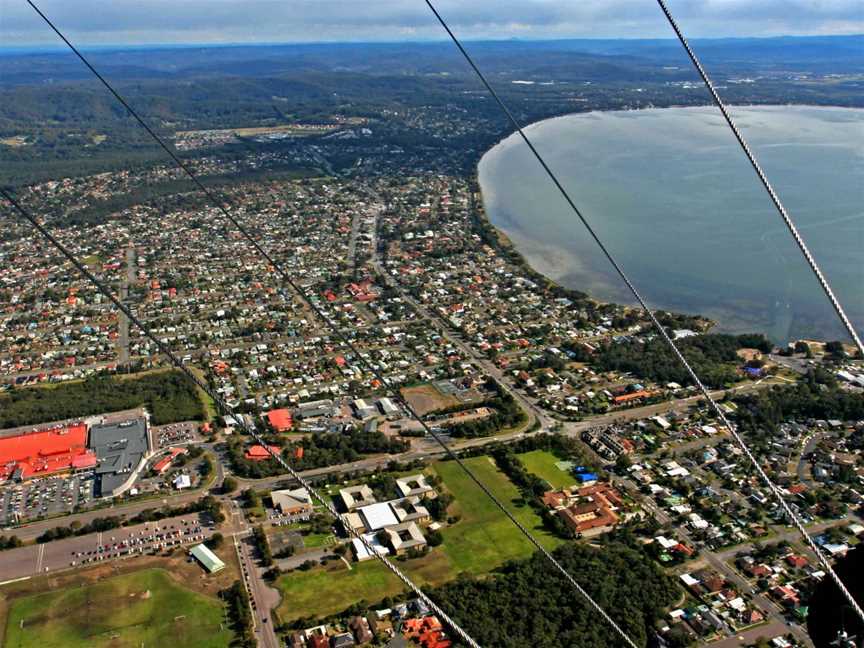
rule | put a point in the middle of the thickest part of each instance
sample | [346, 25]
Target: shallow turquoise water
[675, 200]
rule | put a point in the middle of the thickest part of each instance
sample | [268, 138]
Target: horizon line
[59, 48]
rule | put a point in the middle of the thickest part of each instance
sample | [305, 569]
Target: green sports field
[542, 464]
[485, 538]
[482, 540]
[144, 608]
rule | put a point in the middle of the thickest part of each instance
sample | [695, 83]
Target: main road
[262, 598]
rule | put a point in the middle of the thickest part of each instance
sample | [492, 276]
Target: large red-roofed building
[45, 452]
[280, 420]
[260, 453]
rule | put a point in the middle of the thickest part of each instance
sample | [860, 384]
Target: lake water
[677, 203]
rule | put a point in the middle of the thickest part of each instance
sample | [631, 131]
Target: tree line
[530, 603]
[169, 396]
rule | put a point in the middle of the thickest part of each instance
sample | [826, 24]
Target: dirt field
[427, 398]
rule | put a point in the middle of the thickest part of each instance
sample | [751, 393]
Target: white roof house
[387, 406]
[689, 580]
[662, 422]
[697, 522]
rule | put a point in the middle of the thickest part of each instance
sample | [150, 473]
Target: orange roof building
[627, 398]
[45, 452]
[590, 507]
[260, 453]
[162, 465]
[280, 420]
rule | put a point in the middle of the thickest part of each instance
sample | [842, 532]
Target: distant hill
[555, 58]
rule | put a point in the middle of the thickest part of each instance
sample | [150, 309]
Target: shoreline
[506, 245]
[501, 242]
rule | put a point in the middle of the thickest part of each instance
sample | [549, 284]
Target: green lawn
[145, 608]
[317, 540]
[542, 464]
[324, 591]
[328, 590]
[484, 538]
[481, 541]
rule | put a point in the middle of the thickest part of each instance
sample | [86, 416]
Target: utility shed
[207, 558]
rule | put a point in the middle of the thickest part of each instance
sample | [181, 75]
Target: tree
[434, 538]
[229, 485]
[215, 541]
[622, 463]
[835, 348]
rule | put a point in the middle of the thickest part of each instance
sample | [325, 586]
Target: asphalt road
[123, 321]
[262, 598]
[748, 637]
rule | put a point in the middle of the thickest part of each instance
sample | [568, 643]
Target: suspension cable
[787, 219]
[163, 348]
[659, 327]
[343, 338]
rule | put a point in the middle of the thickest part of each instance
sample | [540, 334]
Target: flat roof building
[361, 552]
[378, 516]
[121, 448]
[34, 454]
[207, 558]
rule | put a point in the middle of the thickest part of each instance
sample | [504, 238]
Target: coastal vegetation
[817, 396]
[713, 357]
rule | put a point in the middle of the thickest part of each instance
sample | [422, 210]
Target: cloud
[95, 22]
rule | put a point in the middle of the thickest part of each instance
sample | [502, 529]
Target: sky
[113, 22]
